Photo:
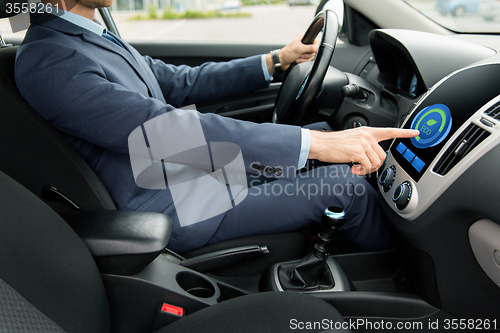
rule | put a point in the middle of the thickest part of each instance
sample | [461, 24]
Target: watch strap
[276, 61]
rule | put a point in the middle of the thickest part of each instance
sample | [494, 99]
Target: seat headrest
[7, 7]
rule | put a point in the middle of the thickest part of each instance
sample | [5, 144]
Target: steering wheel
[302, 82]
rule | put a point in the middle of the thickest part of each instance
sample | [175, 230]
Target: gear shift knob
[333, 218]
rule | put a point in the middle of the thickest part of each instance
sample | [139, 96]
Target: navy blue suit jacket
[96, 93]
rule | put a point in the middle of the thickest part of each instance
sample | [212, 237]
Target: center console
[458, 125]
[149, 287]
[316, 271]
[138, 301]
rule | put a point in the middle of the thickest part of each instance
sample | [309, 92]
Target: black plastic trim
[378, 304]
[218, 259]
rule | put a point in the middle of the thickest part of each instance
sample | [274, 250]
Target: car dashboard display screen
[434, 123]
[440, 115]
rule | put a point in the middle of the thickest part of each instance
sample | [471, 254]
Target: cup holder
[195, 285]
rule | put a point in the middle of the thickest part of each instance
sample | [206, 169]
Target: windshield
[462, 15]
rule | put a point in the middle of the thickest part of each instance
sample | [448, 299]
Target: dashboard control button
[355, 124]
[402, 195]
[401, 148]
[387, 177]
[462, 148]
[418, 164]
[487, 122]
[409, 155]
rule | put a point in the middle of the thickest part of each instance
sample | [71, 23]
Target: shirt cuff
[264, 68]
[304, 148]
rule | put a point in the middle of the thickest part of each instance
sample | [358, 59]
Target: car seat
[49, 282]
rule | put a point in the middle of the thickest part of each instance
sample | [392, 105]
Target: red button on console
[172, 309]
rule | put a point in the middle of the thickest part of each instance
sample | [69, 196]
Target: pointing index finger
[381, 134]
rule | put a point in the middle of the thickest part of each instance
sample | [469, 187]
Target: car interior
[72, 262]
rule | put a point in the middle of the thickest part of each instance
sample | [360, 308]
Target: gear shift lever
[333, 218]
[312, 271]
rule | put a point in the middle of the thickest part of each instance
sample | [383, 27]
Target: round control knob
[350, 90]
[387, 177]
[402, 195]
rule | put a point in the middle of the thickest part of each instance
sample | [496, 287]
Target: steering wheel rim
[291, 108]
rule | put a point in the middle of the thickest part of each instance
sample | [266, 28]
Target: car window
[14, 32]
[267, 21]
[462, 15]
[273, 21]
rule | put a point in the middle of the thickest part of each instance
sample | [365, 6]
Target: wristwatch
[276, 61]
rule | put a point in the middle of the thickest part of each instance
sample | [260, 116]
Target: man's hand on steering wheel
[295, 51]
[302, 83]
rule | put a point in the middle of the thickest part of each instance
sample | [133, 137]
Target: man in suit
[96, 89]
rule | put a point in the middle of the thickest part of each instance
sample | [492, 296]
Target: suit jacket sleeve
[184, 85]
[72, 92]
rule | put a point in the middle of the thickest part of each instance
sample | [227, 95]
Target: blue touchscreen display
[434, 123]
[433, 116]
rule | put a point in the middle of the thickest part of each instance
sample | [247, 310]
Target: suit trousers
[277, 206]
[282, 206]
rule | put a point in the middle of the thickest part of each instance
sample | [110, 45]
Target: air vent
[472, 136]
[494, 111]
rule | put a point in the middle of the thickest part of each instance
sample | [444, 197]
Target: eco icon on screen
[431, 122]
[434, 123]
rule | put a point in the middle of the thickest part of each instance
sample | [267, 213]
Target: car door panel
[256, 106]
[346, 58]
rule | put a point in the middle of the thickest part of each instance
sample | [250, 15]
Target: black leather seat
[50, 283]
[36, 155]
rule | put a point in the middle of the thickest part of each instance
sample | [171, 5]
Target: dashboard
[398, 73]
[457, 126]
[452, 116]
[439, 189]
